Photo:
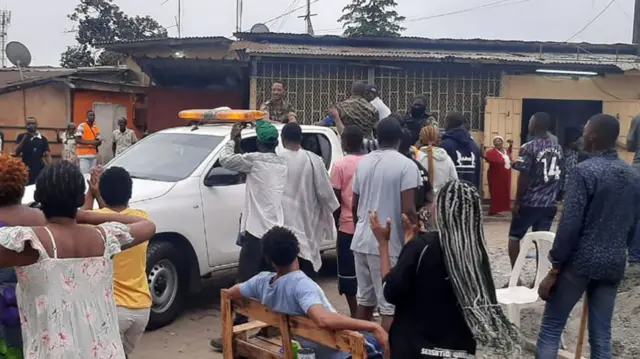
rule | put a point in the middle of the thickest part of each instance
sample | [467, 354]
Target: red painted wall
[164, 104]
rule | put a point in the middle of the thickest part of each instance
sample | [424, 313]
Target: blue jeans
[601, 297]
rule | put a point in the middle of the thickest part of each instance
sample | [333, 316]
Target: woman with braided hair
[442, 285]
[437, 162]
[65, 270]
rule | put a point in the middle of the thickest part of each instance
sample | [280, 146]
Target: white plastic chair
[516, 297]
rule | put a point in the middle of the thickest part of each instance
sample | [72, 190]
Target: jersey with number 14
[543, 161]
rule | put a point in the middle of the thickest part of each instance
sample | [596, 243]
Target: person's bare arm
[334, 321]
[234, 292]
[408, 198]
[46, 155]
[142, 230]
[354, 208]
[522, 185]
[46, 158]
[21, 142]
[9, 258]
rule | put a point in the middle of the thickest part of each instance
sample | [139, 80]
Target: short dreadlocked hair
[14, 176]
[60, 190]
[460, 223]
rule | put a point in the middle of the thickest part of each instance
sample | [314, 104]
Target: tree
[102, 21]
[371, 18]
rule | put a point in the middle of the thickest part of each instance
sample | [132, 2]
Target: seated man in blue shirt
[290, 291]
[589, 253]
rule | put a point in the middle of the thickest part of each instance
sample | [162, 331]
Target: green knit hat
[266, 132]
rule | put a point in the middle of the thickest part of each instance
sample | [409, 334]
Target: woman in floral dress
[14, 176]
[65, 270]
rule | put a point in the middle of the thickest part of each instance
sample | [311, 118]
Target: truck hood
[143, 190]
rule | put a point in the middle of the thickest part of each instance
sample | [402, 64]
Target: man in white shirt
[123, 137]
[385, 181]
[308, 201]
[372, 95]
[266, 176]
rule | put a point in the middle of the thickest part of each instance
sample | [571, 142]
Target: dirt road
[189, 336]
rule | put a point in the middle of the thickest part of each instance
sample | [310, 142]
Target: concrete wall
[49, 104]
[612, 87]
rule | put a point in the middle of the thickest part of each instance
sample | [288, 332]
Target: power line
[289, 12]
[623, 10]
[592, 20]
[293, 4]
[479, 7]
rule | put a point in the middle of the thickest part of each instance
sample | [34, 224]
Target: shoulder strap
[424, 250]
[53, 243]
[91, 129]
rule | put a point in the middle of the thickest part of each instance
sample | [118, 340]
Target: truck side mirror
[220, 176]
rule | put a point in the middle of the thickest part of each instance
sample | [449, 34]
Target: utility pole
[308, 15]
[636, 23]
[238, 15]
[5, 21]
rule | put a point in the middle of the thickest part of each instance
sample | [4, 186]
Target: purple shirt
[543, 160]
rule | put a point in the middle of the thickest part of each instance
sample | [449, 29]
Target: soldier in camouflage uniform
[279, 109]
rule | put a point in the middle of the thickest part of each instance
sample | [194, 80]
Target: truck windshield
[168, 157]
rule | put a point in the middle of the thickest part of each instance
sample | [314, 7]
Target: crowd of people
[403, 206]
[80, 145]
[410, 224]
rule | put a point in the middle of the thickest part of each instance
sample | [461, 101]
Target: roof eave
[164, 42]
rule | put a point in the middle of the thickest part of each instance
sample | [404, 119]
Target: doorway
[568, 117]
[107, 116]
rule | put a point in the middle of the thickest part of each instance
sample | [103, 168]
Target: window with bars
[312, 87]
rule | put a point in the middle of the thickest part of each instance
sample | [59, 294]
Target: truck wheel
[167, 290]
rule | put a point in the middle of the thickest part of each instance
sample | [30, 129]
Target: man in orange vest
[88, 140]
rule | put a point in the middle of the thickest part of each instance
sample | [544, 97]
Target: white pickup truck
[196, 205]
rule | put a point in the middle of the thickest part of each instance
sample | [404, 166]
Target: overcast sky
[42, 24]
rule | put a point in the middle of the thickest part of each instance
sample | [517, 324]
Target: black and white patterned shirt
[600, 219]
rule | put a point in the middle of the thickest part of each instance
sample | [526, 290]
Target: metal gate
[312, 87]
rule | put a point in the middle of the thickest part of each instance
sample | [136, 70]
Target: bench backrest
[344, 340]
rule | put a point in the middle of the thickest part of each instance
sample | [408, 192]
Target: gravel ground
[189, 336]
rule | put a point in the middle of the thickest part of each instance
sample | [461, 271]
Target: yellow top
[130, 286]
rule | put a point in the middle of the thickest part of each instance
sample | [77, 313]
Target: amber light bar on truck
[222, 114]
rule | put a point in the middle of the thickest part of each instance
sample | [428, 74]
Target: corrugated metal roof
[10, 77]
[624, 62]
[165, 41]
[439, 43]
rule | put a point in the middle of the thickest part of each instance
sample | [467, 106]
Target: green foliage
[371, 18]
[102, 21]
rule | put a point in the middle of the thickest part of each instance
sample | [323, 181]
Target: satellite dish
[259, 28]
[19, 55]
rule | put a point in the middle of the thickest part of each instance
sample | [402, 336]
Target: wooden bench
[238, 343]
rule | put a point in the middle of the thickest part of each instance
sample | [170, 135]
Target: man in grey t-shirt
[385, 181]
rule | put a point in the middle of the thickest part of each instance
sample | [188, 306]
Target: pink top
[342, 179]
